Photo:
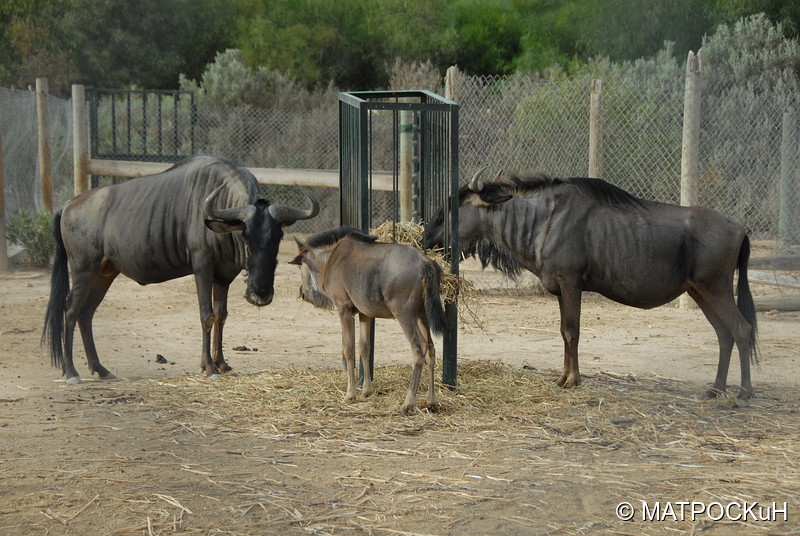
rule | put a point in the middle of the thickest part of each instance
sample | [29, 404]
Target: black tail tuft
[434, 311]
[745, 299]
[59, 291]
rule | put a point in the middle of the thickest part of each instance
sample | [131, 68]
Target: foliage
[34, 233]
[112, 43]
[349, 43]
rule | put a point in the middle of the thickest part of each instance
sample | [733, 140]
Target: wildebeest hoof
[107, 376]
[713, 393]
[434, 408]
[568, 383]
[405, 409]
[212, 376]
[73, 380]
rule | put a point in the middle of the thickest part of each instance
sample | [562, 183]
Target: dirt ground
[148, 455]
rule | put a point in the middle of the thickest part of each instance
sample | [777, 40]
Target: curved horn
[288, 215]
[476, 184]
[242, 213]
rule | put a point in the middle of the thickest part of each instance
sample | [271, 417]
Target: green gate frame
[436, 184]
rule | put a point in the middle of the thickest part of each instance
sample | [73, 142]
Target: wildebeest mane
[330, 237]
[597, 189]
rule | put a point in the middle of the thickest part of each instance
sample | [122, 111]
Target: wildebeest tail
[434, 311]
[59, 290]
[744, 299]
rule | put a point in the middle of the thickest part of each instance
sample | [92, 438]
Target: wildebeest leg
[98, 292]
[348, 351]
[203, 280]
[82, 286]
[220, 315]
[409, 326]
[430, 357]
[729, 324]
[364, 338]
[569, 304]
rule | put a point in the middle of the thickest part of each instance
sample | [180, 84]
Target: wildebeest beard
[488, 253]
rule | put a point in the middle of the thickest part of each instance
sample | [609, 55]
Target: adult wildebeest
[587, 235]
[202, 216]
[347, 269]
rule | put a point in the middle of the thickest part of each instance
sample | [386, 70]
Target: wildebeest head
[261, 226]
[311, 261]
[473, 198]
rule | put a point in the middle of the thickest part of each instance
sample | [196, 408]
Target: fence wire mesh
[513, 123]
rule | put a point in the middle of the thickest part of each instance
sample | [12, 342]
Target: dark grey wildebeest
[203, 216]
[587, 235]
[348, 270]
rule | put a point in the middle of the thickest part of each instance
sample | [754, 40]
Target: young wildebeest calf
[346, 269]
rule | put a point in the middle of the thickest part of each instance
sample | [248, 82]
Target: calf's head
[261, 226]
[312, 261]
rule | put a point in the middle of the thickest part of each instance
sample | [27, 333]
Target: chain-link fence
[513, 123]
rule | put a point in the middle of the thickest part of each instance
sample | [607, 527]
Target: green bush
[34, 233]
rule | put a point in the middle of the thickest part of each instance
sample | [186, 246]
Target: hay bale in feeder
[453, 288]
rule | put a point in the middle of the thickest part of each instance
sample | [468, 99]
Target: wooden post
[80, 139]
[3, 245]
[788, 212]
[449, 82]
[406, 164]
[43, 129]
[691, 142]
[596, 129]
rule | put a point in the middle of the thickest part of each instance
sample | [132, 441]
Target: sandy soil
[72, 458]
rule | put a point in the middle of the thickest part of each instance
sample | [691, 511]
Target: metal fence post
[788, 210]
[596, 129]
[691, 141]
[43, 129]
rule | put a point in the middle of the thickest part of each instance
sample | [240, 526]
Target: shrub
[34, 233]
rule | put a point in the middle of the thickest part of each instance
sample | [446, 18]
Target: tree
[112, 43]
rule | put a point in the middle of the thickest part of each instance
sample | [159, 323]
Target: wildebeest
[348, 270]
[202, 216]
[583, 234]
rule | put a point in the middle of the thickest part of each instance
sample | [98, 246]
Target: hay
[453, 288]
[498, 437]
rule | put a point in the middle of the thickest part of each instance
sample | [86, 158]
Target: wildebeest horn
[242, 213]
[476, 184]
[288, 215]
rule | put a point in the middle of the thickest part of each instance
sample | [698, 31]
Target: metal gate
[398, 160]
[144, 125]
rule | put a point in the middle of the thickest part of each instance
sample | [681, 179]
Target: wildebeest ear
[297, 260]
[299, 244]
[219, 226]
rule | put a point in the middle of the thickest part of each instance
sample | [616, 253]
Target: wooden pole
[43, 129]
[406, 165]
[80, 139]
[596, 129]
[787, 215]
[449, 82]
[4, 264]
[691, 142]
[691, 131]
